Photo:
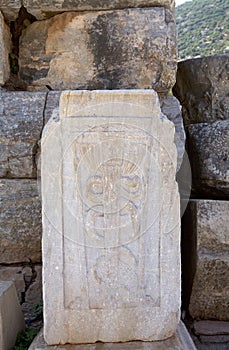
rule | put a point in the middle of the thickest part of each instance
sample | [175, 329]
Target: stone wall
[57, 45]
[203, 89]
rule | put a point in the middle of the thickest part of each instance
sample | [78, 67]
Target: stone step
[181, 341]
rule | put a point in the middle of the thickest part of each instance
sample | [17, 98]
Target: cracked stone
[33, 295]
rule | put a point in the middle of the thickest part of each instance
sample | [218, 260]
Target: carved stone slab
[111, 223]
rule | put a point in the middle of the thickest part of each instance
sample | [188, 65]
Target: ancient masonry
[203, 88]
[119, 44]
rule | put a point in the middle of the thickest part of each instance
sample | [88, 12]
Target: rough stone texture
[10, 9]
[170, 107]
[115, 160]
[27, 280]
[131, 48]
[208, 146]
[207, 244]
[52, 105]
[43, 9]
[215, 339]
[20, 221]
[5, 45]
[203, 89]
[33, 294]
[211, 328]
[22, 121]
[180, 341]
[11, 317]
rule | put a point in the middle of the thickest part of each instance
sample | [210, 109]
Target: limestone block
[20, 221]
[210, 237]
[170, 107]
[21, 116]
[5, 45]
[203, 88]
[210, 293]
[11, 317]
[131, 48]
[111, 222]
[27, 280]
[42, 9]
[52, 105]
[208, 146]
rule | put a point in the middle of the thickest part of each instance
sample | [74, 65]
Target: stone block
[33, 294]
[207, 244]
[203, 89]
[180, 341]
[5, 46]
[217, 339]
[111, 223]
[43, 9]
[20, 221]
[21, 116]
[208, 146]
[171, 108]
[130, 48]
[27, 280]
[211, 328]
[11, 317]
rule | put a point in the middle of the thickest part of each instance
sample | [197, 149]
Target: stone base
[180, 341]
[11, 317]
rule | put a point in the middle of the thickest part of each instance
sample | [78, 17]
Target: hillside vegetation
[203, 28]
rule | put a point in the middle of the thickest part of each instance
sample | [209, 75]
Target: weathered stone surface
[170, 107]
[115, 264]
[5, 45]
[10, 9]
[52, 105]
[208, 242]
[134, 48]
[211, 328]
[21, 116]
[33, 294]
[43, 9]
[208, 146]
[180, 341]
[11, 317]
[210, 293]
[27, 280]
[20, 221]
[215, 339]
[203, 89]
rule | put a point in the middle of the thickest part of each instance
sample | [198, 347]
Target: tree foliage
[203, 28]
